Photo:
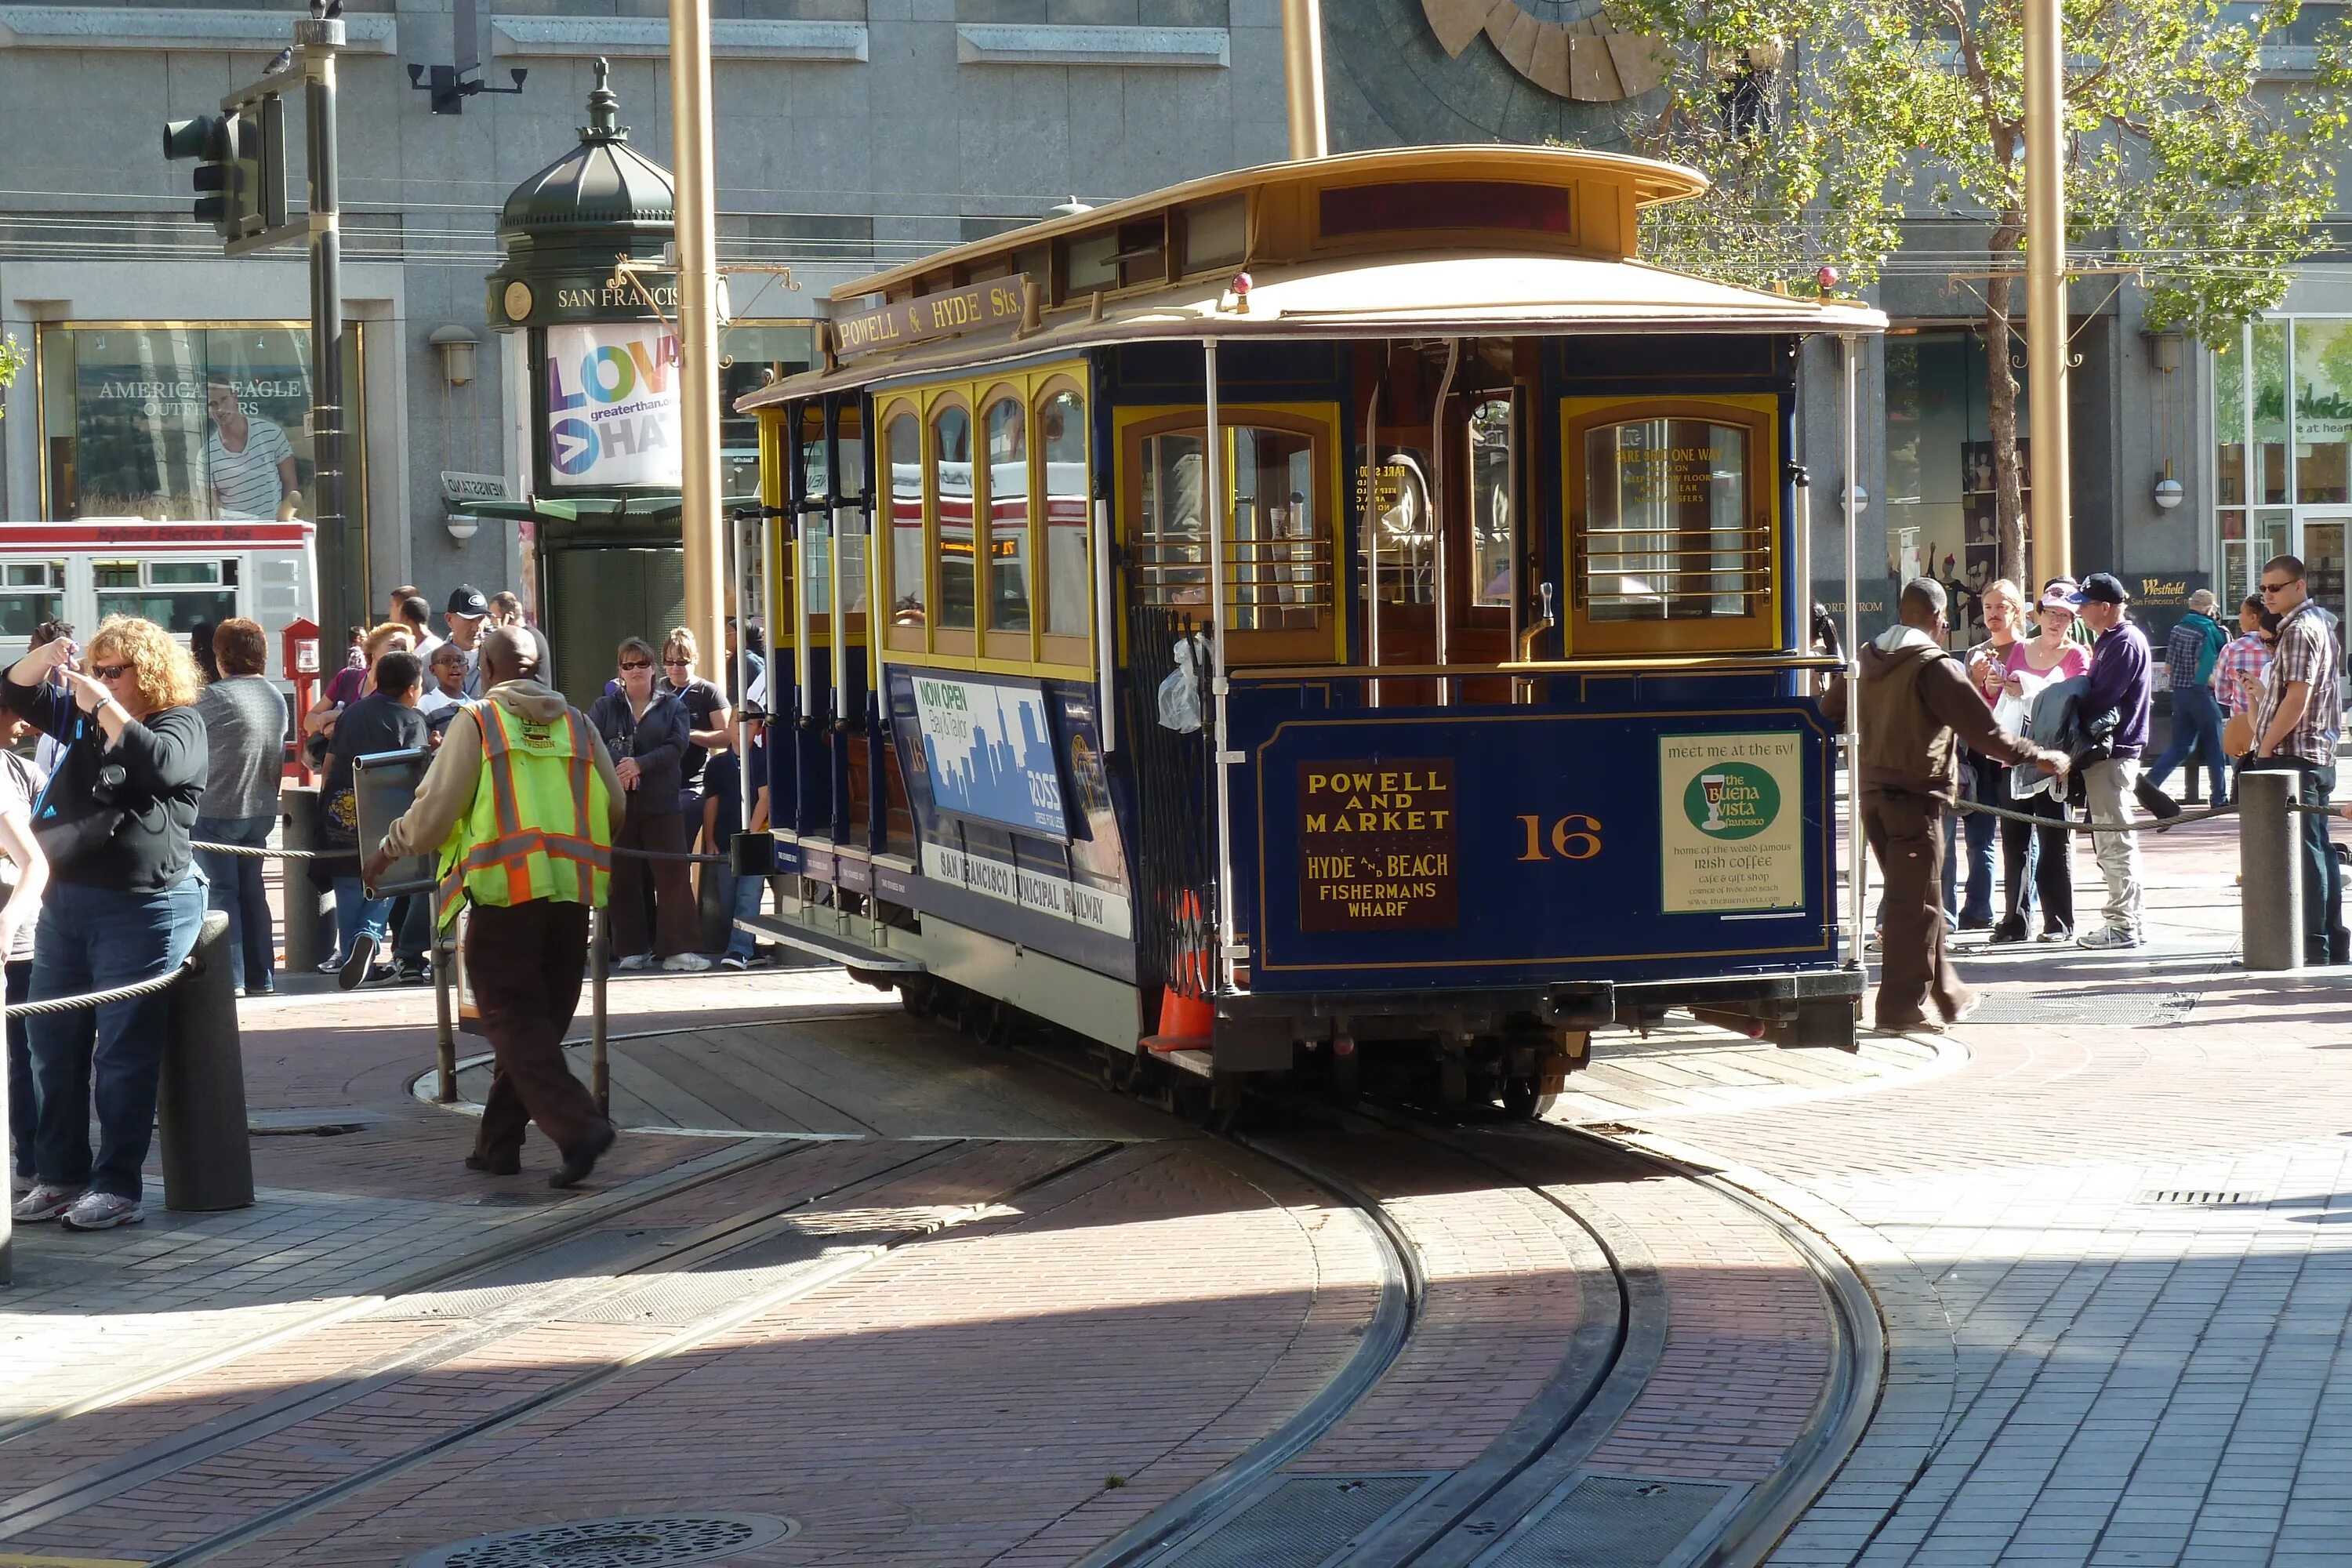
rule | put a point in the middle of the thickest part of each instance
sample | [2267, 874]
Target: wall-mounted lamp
[1861, 496]
[461, 525]
[456, 347]
[2169, 493]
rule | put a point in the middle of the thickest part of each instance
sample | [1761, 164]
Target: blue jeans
[2196, 722]
[92, 939]
[236, 891]
[22, 1127]
[356, 912]
[744, 897]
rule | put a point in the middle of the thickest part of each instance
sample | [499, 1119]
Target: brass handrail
[1735, 664]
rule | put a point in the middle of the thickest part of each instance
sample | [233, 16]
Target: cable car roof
[1424, 294]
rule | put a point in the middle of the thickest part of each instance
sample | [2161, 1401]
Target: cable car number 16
[1571, 837]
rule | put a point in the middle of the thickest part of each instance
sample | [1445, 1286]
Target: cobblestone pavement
[2110, 1247]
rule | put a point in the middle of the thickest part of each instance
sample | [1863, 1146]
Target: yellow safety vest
[540, 826]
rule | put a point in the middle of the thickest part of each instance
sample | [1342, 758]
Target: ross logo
[1732, 801]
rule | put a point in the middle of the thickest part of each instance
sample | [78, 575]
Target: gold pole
[1302, 77]
[2049, 507]
[698, 325]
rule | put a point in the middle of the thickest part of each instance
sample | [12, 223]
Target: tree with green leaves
[12, 360]
[1824, 122]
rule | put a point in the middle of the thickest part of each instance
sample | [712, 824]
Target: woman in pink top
[2037, 861]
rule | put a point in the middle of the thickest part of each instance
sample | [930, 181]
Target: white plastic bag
[1179, 694]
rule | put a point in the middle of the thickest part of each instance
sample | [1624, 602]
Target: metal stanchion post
[2270, 877]
[309, 926]
[207, 1162]
[445, 1033]
[599, 1071]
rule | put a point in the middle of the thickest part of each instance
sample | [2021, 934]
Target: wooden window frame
[912, 639]
[963, 642]
[1755, 632]
[1320, 421]
[1050, 648]
[1001, 642]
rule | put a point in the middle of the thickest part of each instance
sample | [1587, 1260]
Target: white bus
[173, 574]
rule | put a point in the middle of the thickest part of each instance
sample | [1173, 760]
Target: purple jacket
[2119, 679]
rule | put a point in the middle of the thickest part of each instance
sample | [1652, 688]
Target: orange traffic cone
[1187, 1020]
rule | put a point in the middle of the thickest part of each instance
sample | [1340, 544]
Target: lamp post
[1302, 77]
[698, 323]
[2047, 348]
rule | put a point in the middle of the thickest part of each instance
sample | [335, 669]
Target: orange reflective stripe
[499, 767]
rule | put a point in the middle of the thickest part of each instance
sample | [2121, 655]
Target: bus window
[1062, 438]
[902, 455]
[33, 592]
[1008, 516]
[178, 595]
[952, 488]
[1490, 503]
[1667, 535]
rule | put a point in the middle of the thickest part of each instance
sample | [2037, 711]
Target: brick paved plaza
[2069, 1286]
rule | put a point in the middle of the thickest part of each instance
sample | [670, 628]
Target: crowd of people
[2047, 720]
[147, 747]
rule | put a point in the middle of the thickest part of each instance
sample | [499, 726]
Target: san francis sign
[910, 321]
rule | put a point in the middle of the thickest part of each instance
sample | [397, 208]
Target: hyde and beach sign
[613, 407]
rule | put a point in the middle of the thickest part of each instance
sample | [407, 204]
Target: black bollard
[310, 920]
[207, 1162]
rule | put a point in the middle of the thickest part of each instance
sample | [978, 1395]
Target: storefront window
[2230, 426]
[2323, 411]
[177, 424]
[2270, 411]
[1940, 516]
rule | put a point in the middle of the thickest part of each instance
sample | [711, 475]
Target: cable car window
[1403, 531]
[1216, 234]
[951, 489]
[1491, 486]
[33, 592]
[1170, 567]
[1278, 552]
[1062, 442]
[1008, 515]
[902, 457]
[1668, 534]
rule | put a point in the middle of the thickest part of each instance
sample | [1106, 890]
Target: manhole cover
[634, 1541]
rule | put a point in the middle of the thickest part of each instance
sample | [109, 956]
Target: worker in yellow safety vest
[520, 803]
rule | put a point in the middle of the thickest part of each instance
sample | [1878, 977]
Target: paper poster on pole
[1731, 820]
[613, 405]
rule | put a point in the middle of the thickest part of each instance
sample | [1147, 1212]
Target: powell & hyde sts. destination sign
[969, 310]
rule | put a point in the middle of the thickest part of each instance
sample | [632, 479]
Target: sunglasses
[676, 663]
[634, 664]
[109, 671]
[2278, 587]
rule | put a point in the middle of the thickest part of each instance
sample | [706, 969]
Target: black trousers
[2052, 873]
[526, 963]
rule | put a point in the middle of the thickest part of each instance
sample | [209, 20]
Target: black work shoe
[508, 1164]
[412, 972]
[582, 1160]
[356, 962]
[2009, 931]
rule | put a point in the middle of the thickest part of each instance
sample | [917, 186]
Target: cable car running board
[840, 949]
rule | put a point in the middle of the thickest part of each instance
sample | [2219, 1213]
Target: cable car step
[840, 949]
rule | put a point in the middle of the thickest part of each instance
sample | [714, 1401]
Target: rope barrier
[2151, 825]
[255, 852]
[100, 998]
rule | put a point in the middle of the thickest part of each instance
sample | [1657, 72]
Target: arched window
[1062, 444]
[1008, 516]
[952, 493]
[902, 474]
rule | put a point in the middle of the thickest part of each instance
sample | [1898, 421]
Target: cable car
[1339, 614]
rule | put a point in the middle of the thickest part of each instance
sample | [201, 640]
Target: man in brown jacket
[1917, 708]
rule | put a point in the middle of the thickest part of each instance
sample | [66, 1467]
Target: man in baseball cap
[2119, 679]
[467, 606]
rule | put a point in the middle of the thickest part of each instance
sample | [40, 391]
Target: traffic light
[240, 179]
[214, 140]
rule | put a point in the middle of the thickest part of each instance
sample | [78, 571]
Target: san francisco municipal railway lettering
[1376, 846]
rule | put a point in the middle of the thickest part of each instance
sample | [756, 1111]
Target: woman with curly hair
[123, 903]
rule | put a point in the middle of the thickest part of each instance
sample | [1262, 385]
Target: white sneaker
[635, 961]
[102, 1211]
[686, 964]
[2109, 937]
[45, 1203]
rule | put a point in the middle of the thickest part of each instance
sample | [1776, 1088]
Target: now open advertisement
[613, 407]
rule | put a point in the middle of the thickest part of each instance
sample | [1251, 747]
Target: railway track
[767, 1228]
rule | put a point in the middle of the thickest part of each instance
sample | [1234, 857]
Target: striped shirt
[2306, 654]
[246, 482]
[2238, 673]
